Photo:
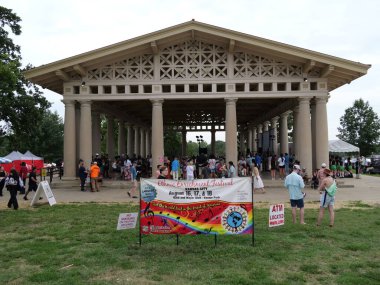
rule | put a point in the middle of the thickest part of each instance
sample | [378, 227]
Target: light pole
[199, 140]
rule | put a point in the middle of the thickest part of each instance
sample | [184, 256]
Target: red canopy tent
[17, 158]
[36, 161]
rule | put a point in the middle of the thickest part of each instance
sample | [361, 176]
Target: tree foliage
[22, 105]
[360, 126]
[172, 144]
[46, 140]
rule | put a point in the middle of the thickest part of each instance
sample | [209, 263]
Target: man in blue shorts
[295, 184]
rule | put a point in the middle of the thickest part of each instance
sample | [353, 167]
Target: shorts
[282, 166]
[297, 203]
[32, 188]
[326, 200]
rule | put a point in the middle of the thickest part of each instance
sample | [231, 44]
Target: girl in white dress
[258, 184]
[190, 171]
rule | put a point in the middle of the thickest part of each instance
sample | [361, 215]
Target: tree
[172, 143]
[360, 126]
[46, 139]
[22, 105]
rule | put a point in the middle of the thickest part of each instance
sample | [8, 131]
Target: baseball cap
[323, 165]
[296, 167]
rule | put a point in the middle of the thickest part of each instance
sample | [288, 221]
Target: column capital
[304, 100]
[285, 114]
[321, 100]
[84, 102]
[157, 102]
[135, 127]
[274, 120]
[68, 102]
[266, 123]
[230, 100]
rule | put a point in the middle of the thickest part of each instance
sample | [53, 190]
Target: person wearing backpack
[327, 189]
[13, 183]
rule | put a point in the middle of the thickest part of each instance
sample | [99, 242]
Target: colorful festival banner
[204, 206]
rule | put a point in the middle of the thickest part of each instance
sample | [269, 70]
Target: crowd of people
[200, 167]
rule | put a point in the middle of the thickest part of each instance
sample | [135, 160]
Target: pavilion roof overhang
[338, 71]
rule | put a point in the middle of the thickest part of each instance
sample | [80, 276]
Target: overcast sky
[54, 30]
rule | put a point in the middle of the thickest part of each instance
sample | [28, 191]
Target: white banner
[233, 190]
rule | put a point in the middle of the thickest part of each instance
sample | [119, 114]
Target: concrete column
[249, 138]
[184, 143]
[110, 137]
[322, 139]
[121, 139]
[296, 112]
[130, 140]
[69, 145]
[77, 133]
[142, 142]
[85, 134]
[95, 133]
[254, 139]
[136, 149]
[157, 134]
[304, 134]
[265, 129]
[147, 145]
[274, 141]
[284, 143]
[231, 131]
[266, 126]
[313, 133]
[260, 137]
[242, 144]
[213, 141]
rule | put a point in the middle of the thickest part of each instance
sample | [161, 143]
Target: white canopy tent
[339, 146]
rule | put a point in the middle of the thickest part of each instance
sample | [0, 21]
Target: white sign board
[127, 221]
[276, 215]
[44, 185]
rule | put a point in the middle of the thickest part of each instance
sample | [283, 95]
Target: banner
[204, 206]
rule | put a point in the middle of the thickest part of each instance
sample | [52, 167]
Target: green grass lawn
[79, 244]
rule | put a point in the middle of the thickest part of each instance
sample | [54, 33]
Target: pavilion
[196, 77]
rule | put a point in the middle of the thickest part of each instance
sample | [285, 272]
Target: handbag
[332, 189]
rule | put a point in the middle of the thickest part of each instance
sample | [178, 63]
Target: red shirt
[23, 172]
